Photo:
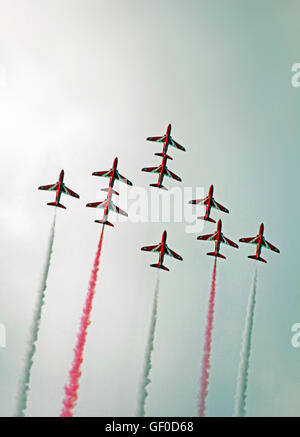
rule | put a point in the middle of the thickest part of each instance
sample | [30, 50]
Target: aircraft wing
[49, 187]
[68, 191]
[155, 248]
[122, 179]
[219, 206]
[208, 237]
[116, 209]
[157, 139]
[177, 145]
[226, 240]
[97, 204]
[171, 253]
[250, 240]
[172, 175]
[197, 201]
[106, 173]
[270, 246]
[151, 169]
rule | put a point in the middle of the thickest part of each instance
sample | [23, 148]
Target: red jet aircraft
[162, 170]
[209, 202]
[167, 140]
[219, 238]
[114, 175]
[260, 242]
[163, 250]
[60, 188]
[108, 204]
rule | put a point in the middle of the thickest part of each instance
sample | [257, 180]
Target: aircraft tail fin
[59, 205]
[162, 155]
[104, 222]
[159, 186]
[160, 266]
[107, 189]
[257, 258]
[209, 219]
[218, 255]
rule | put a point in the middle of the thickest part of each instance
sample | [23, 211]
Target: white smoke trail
[25, 379]
[242, 382]
[148, 364]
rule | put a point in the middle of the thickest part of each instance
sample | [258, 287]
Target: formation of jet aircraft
[107, 204]
[218, 237]
[162, 170]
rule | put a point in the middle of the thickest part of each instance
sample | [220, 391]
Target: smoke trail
[207, 346]
[241, 392]
[71, 390]
[25, 380]
[148, 365]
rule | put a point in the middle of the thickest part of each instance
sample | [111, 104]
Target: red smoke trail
[207, 346]
[71, 390]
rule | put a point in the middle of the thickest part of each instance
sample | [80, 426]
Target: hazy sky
[85, 81]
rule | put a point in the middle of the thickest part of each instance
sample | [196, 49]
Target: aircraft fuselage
[167, 140]
[162, 170]
[260, 239]
[59, 187]
[219, 234]
[209, 203]
[162, 249]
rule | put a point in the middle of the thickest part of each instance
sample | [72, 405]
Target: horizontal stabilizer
[104, 222]
[216, 254]
[162, 155]
[209, 219]
[157, 266]
[257, 258]
[59, 205]
[107, 190]
[159, 186]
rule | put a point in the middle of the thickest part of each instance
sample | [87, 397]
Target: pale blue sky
[90, 80]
